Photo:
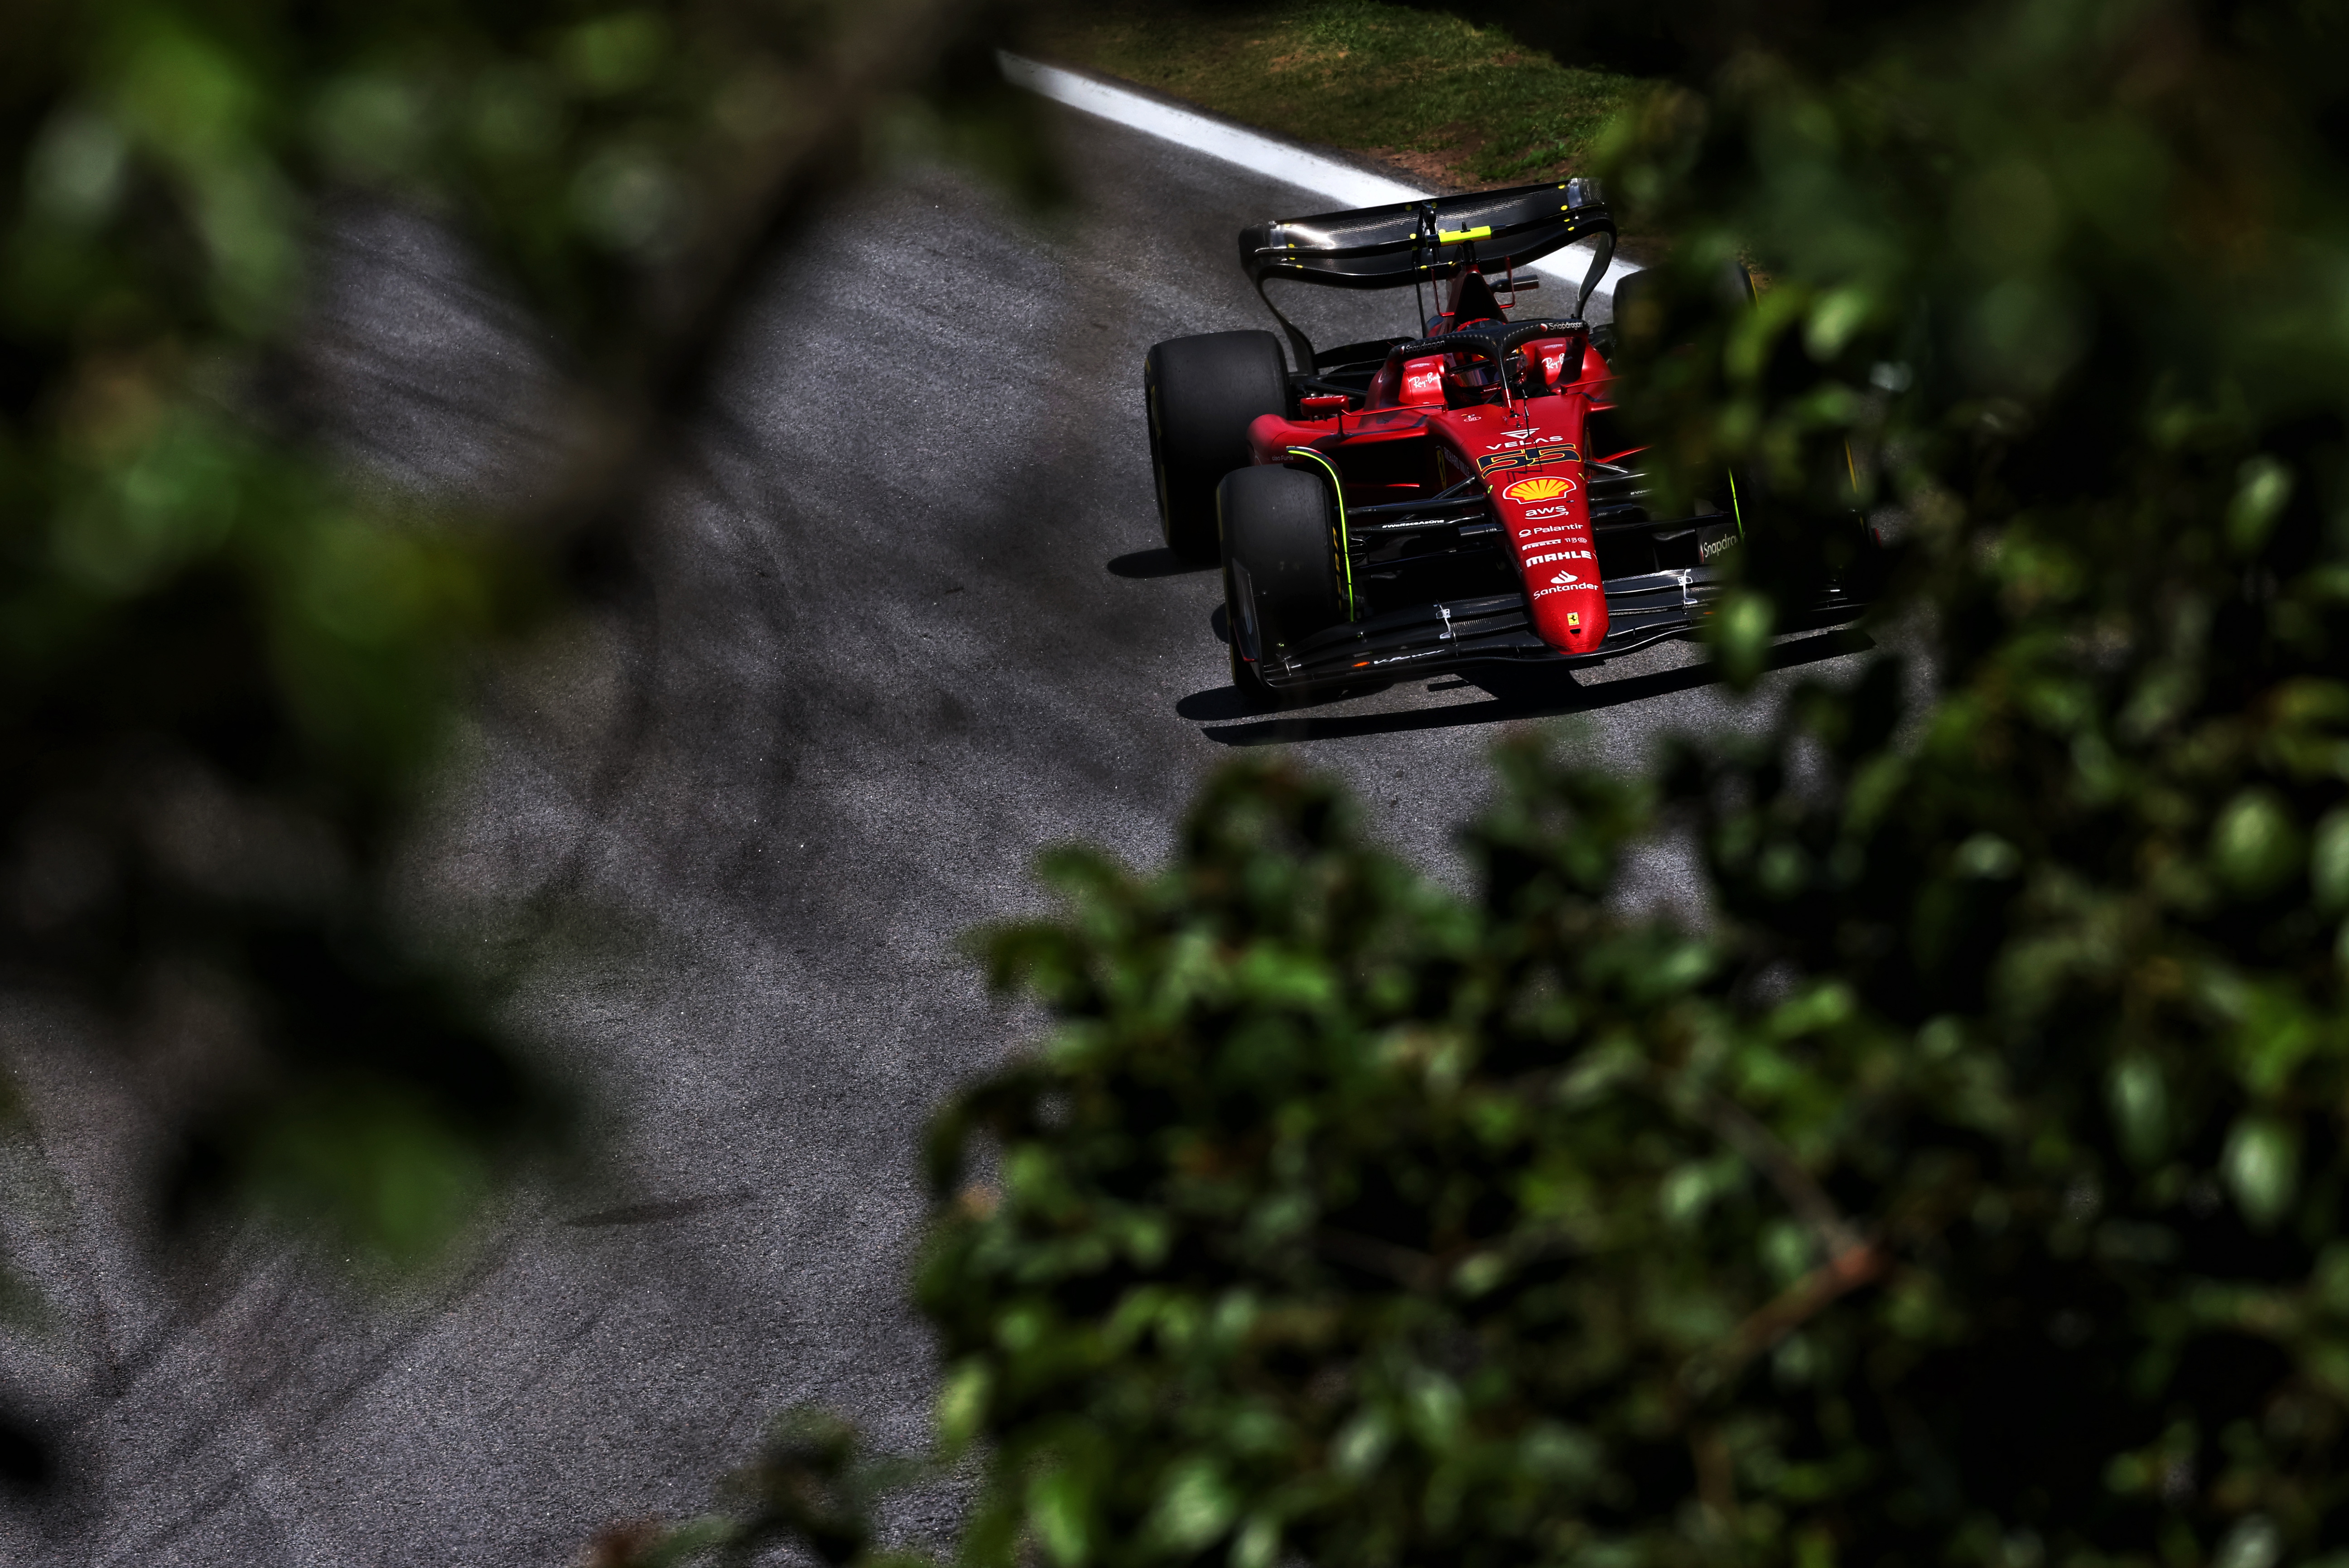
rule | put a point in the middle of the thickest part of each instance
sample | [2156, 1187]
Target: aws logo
[1549, 487]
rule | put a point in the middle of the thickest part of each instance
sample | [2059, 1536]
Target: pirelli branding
[1531, 457]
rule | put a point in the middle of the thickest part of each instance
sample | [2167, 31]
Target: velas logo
[1549, 487]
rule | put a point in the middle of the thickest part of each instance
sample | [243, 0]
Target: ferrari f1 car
[1414, 504]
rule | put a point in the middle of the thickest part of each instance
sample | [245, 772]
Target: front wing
[1499, 629]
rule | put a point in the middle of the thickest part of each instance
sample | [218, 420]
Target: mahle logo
[1548, 488]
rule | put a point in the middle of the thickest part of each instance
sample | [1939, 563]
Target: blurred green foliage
[1970, 1190]
[226, 670]
[811, 1486]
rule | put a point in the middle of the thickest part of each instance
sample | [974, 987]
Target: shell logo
[1547, 489]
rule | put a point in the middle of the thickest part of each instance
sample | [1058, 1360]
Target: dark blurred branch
[1835, 1236]
[1405, 1266]
[1846, 1272]
[892, 51]
[635, 428]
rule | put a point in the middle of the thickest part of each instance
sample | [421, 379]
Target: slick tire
[1201, 393]
[1280, 570]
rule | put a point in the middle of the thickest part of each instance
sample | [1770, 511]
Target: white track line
[1274, 159]
[1340, 182]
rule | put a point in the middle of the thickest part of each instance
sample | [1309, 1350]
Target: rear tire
[1202, 393]
[1280, 567]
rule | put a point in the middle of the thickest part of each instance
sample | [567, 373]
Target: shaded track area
[906, 623]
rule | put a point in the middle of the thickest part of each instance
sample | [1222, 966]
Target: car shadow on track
[1516, 693]
[1159, 562]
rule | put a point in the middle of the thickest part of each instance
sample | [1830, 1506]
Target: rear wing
[1426, 241]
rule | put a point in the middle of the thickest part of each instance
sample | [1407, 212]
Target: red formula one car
[1414, 504]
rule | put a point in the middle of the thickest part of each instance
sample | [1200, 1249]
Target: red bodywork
[1528, 452]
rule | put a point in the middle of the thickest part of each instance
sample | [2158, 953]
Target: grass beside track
[1454, 104]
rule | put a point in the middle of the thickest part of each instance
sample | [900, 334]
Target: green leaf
[2262, 489]
[2262, 1165]
[1058, 1506]
[1740, 631]
[1195, 1507]
[2139, 1098]
[2328, 861]
[2255, 843]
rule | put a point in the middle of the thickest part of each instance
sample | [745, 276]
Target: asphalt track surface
[908, 623]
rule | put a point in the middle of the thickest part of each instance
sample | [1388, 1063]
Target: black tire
[1280, 567]
[1201, 392]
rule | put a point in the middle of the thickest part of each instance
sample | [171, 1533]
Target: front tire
[1280, 568]
[1202, 393]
